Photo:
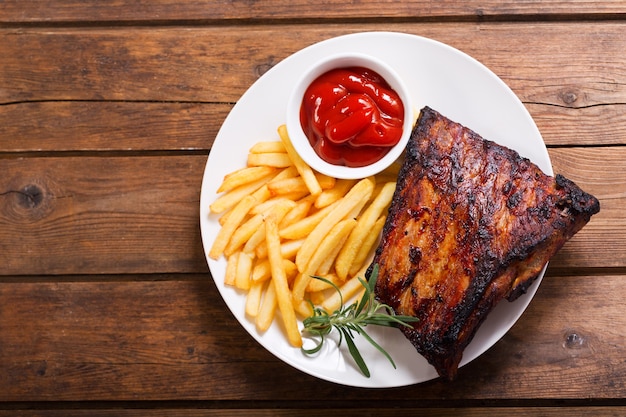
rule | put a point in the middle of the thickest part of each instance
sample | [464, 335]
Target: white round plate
[439, 76]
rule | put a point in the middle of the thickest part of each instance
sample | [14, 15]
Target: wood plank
[46, 11]
[570, 75]
[165, 340]
[109, 126]
[118, 214]
[136, 126]
[354, 411]
[595, 170]
[100, 215]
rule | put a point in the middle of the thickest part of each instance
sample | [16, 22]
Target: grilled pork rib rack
[471, 223]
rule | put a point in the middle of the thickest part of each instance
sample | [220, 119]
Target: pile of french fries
[283, 223]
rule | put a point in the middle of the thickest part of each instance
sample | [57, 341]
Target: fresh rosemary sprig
[352, 319]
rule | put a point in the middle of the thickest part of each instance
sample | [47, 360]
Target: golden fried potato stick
[348, 290]
[268, 147]
[234, 220]
[299, 212]
[305, 226]
[267, 310]
[280, 209]
[361, 190]
[368, 245]
[244, 271]
[262, 270]
[287, 186]
[243, 233]
[363, 228]
[317, 285]
[279, 281]
[335, 236]
[329, 196]
[273, 159]
[244, 176]
[231, 269]
[289, 249]
[231, 198]
[305, 171]
[253, 298]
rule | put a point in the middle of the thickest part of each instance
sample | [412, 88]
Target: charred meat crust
[471, 223]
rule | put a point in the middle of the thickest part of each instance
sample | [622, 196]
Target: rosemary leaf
[351, 320]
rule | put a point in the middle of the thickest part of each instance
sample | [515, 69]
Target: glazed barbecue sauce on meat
[471, 223]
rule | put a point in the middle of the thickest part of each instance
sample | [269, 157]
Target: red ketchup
[351, 116]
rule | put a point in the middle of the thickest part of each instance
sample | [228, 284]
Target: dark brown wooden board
[46, 11]
[175, 339]
[108, 110]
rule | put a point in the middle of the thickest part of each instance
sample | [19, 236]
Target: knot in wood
[573, 340]
[568, 97]
[30, 196]
[27, 203]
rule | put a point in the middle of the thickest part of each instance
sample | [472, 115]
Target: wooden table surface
[108, 110]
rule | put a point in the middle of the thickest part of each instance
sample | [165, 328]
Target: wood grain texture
[586, 167]
[46, 11]
[268, 411]
[62, 126]
[574, 89]
[82, 215]
[108, 110]
[170, 339]
[100, 215]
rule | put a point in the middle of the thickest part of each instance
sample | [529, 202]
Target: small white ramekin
[299, 139]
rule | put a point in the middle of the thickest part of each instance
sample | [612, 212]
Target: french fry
[289, 249]
[231, 269]
[253, 298]
[243, 233]
[280, 209]
[244, 270]
[281, 222]
[263, 272]
[349, 289]
[244, 176]
[317, 285]
[330, 195]
[328, 265]
[363, 229]
[356, 210]
[335, 236]
[271, 159]
[287, 186]
[317, 298]
[325, 181]
[304, 308]
[305, 171]
[287, 172]
[305, 226]
[225, 233]
[268, 147]
[279, 281]
[231, 198]
[296, 195]
[268, 307]
[263, 193]
[299, 212]
[368, 244]
[343, 207]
